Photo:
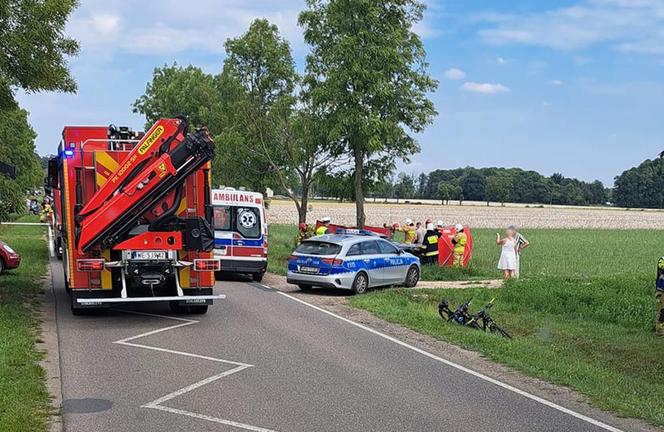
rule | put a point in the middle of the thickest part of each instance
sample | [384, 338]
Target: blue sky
[575, 87]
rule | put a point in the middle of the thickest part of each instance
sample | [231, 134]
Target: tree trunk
[359, 187]
[304, 201]
[298, 207]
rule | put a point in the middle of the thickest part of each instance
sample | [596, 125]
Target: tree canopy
[17, 148]
[508, 185]
[641, 186]
[34, 47]
[367, 72]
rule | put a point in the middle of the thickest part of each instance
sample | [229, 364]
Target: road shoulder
[49, 344]
[336, 301]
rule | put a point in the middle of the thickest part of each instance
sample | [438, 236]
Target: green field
[24, 400]
[553, 252]
[582, 315]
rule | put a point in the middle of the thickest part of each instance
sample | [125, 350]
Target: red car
[9, 259]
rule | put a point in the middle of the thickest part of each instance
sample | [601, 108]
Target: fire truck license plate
[148, 255]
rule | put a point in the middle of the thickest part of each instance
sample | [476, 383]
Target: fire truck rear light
[207, 264]
[90, 264]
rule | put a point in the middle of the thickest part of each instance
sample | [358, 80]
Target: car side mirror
[400, 251]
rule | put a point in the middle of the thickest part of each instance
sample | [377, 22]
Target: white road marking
[462, 368]
[157, 403]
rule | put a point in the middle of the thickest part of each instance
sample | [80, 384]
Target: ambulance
[240, 231]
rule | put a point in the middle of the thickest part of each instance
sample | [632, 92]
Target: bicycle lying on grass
[479, 321]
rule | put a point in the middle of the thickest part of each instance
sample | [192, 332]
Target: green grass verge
[583, 317]
[24, 400]
[568, 253]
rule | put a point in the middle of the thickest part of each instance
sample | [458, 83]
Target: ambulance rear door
[223, 231]
[248, 233]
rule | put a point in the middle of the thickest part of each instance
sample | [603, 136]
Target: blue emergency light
[68, 153]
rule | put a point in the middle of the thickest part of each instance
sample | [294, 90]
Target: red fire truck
[134, 217]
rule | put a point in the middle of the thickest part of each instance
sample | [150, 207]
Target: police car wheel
[304, 287]
[361, 283]
[412, 277]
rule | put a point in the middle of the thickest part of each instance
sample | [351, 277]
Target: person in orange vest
[459, 242]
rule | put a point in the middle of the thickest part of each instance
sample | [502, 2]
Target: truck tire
[2, 266]
[257, 277]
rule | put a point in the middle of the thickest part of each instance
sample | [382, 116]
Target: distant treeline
[483, 184]
[641, 186]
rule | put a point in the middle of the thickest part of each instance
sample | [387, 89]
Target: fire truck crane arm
[122, 208]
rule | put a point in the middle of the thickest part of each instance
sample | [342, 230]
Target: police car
[353, 262]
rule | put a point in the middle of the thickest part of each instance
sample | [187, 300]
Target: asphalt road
[262, 361]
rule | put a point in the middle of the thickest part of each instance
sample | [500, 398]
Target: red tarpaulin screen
[446, 248]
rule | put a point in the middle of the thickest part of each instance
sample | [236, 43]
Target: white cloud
[556, 82]
[501, 61]
[121, 25]
[454, 74]
[626, 25]
[485, 88]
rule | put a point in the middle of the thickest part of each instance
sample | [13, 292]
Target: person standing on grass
[430, 247]
[521, 243]
[507, 261]
[459, 242]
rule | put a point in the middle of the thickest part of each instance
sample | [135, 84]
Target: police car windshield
[318, 248]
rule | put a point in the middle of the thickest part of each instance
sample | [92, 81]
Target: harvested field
[477, 216]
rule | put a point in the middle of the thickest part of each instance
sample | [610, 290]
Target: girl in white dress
[507, 261]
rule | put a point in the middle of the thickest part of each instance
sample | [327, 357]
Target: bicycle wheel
[494, 328]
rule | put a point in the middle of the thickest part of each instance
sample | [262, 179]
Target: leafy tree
[498, 188]
[338, 185]
[17, 148]
[473, 186]
[422, 185]
[404, 187]
[384, 188]
[524, 186]
[641, 186]
[283, 129]
[176, 90]
[33, 47]
[447, 191]
[367, 72]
